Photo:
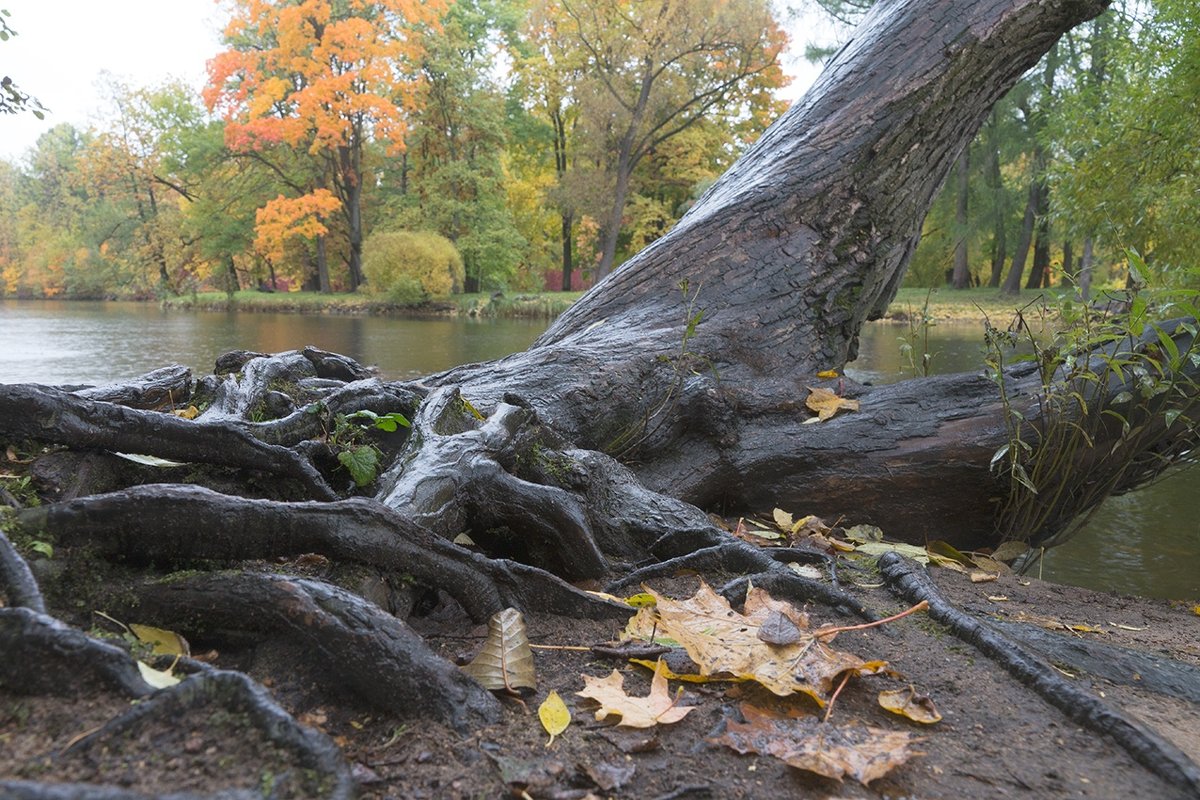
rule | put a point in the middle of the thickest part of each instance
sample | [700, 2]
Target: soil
[997, 738]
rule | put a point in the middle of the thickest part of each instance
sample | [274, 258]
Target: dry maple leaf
[834, 751]
[657, 708]
[726, 645]
[825, 403]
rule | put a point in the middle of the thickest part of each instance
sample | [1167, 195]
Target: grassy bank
[944, 305]
[546, 305]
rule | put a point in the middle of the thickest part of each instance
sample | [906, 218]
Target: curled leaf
[506, 660]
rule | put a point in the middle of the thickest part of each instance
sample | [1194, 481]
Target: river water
[1146, 542]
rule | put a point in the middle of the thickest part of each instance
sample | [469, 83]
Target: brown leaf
[636, 712]
[825, 403]
[834, 751]
[506, 660]
[908, 703]
[726, 645]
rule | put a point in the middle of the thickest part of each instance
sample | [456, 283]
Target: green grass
[544, 305]
[945, 304]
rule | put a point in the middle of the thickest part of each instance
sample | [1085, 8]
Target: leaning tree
[677, 384]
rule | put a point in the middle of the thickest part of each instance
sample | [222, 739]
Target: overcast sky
[63, 47]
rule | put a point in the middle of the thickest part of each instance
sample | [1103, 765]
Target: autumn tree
[650, 70]
[327, 78]
[454, 177]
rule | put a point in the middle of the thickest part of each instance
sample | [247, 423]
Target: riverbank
[941, 305]
[544, 305]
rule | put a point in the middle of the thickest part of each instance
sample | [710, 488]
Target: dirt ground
[996, 739]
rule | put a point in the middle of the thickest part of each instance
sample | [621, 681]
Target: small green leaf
[362, 463]
[45, 548]
[389, 422]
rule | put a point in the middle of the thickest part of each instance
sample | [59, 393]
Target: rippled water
[1146, 542]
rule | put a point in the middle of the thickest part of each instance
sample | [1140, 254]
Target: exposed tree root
[41, 655]
[233, 691]
[174, 524]
[353, 641]
[159, 388]
[1145, 746]
[51, 415]
[736, 556]
[34, 790]
[17, 581]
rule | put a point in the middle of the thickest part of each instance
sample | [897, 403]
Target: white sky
[62, 48]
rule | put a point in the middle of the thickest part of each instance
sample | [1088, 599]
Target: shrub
[412, 267]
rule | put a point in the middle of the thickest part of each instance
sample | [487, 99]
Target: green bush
[412, 267]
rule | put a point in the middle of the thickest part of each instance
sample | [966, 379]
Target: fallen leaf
[657, 708]
[162, 642]
[725, 644]
[827, 373]
[918, 554]
[610, 776]
[863, 534]
[149, 461]
[834, 751]
[783, 520]
[158, 678]
[825, 403]
[191, 412]
[554, 715]
[805, 570]
[998, 598]
[778, 630]
[908, 703]
[983, 577]
[506, 660]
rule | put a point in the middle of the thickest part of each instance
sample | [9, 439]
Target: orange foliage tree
[325, 77]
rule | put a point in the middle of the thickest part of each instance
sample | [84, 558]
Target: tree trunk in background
[568, 265]
[1039, 275]
[323, 267]
[962, 272]
[999, 207]
[1068, 277]
[1012, 284]
[1085, 270]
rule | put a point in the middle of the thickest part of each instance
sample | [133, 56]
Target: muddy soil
[996, 739]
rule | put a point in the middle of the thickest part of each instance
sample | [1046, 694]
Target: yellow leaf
[657, 708]
[782, 519]
[555, 715]
[907, 703]
[825, 403]
[162, 642]
[1196, 610]
[827, 373]
[640, 600]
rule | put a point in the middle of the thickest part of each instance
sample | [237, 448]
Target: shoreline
[910, 307]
